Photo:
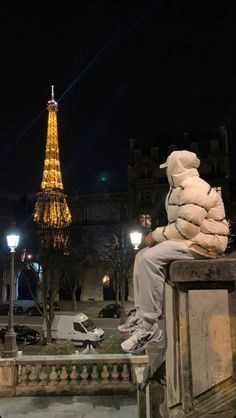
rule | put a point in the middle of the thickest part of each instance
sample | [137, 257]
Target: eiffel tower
[52, 214]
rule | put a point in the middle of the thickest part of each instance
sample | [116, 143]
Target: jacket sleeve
[193, 207]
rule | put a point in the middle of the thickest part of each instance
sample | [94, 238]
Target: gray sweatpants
[149, 277]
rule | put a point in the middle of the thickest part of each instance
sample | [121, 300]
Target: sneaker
[141, 339]
[130, 325]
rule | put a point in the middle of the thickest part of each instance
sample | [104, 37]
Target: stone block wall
[199, 361]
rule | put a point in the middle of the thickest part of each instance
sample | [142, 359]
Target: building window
[106, 281]
[215, 145]
[144, 196]
[194, 147]
[146, 174]
[215, 169]
[123, 213]
[86, 214]
[137, 155]
[155, 153]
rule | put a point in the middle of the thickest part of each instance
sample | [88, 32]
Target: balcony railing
[69, 374]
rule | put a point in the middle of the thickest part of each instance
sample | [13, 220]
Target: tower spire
[51, 210]
[52, 178]
[52, 95]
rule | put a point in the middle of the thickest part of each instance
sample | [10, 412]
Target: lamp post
[10, 347]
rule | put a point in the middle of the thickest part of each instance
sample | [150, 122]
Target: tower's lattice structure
[52, 213]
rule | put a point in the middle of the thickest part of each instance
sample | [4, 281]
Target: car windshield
[88, 325]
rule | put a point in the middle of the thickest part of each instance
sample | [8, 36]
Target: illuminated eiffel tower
[51, 213]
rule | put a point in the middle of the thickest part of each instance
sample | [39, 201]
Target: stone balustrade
[69, 374]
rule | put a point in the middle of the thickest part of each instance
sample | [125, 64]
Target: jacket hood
[180, 165]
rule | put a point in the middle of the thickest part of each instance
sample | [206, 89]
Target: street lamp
[135, 238]
[10, 347]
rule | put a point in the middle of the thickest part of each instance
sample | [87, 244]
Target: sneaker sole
[128, 331]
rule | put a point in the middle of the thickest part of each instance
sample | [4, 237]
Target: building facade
[104, 217]
[147, 183]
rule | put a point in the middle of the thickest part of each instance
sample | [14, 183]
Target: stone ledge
[75, 390]
[83, 358]
[6, 362]
[211, 270]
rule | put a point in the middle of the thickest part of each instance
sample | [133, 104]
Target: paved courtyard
[69, 407]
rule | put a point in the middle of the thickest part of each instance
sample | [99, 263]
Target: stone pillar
[7, 377]
[200, 327]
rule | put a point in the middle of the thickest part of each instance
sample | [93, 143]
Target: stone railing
[70, 374]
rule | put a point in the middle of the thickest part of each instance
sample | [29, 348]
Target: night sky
[121, 69]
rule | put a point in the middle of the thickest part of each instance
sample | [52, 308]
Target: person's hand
[150, 242]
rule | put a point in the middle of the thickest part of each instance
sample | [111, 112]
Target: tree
[43, 274]
[81, 254]
[118, 255]
[51, 260]
[29, 276]
[72, 274]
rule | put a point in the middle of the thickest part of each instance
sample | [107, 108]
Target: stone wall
[200, 313]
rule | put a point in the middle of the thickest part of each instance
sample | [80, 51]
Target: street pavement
[69, 407]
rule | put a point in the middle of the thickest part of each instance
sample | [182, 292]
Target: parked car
[4, 309]
[113, 310]
[33, 310]
[24, 334]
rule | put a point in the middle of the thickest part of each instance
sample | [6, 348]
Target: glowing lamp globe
[136, 238]
[12, 236]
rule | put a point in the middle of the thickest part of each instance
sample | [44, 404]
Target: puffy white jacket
[195, 211]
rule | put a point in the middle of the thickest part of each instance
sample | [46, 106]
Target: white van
[76, 327]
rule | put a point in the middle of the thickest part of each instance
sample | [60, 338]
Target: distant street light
[10, 347]
[136, 238]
